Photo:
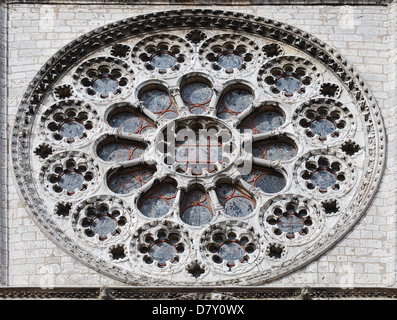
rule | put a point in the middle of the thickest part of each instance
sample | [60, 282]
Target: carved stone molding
[201, 293]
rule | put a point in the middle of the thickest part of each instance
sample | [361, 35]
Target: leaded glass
[163, 61]
[322, 127]
[196, 96]
[129, 122]
[290, 223]
[236, 204]
[196, 209]
[128, 180]
[267, 121]
[234, 102]
[289, 84]
[71, 181]
[120, 151]
[162, 251]
[230, 61]
[102, 225]
[157, 202]
[323, 178]
[197, 154]
[274, 151]
[104, 85]
[71, 129]
[231, 251]
[268, 180]
[263, 122]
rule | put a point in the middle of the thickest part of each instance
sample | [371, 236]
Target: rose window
[197, 147]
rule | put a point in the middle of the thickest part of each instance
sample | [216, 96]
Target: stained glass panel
[71, 181]
[268, 180]
[234, 102]
[323, 179]
[236, 204]
[104, 85]
[196, 209]
[289, 84]
[71, 129]
[290, 223]
[120, 151]
[322, 127]
[128, 180]
[197, 96]
[263, 122]
[229, 61]
[163, 61]
[231, 251]
[129, 122]
[158, 201]
[162, 251]
[274, 151]
[103, 225]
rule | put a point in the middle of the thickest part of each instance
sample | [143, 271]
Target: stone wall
[365, 35]
[3, 144]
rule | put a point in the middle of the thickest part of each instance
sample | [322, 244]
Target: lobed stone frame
[373, 140]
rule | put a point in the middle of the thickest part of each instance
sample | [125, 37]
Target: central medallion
[197, 146]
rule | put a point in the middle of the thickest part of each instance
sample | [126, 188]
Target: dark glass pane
[268, 180]
[198, 154]
[163, 61]
[323, 179]
[229, 61]
[267, 121]
[195, 209]
[156, 100]
[129, 180]
[71, 129]
[120, 152]
[157, 202]
[197, 96]
[104, 85]
[238, 100]
[71, 180]
[162, 251]
[289, 224]
[129, 122]
[322, 127]
[126, 122]
[239, 207]
[235, 203]
[231, 251]
[274, 151]
[103, 225]
[233, 103]
[288, 84]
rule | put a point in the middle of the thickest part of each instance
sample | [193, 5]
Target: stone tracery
[295, 69]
